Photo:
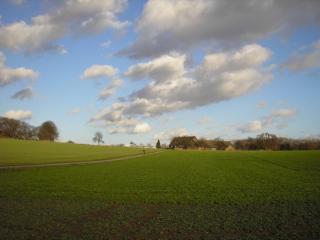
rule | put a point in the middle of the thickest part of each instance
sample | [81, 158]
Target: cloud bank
[72, 17]
[173, 86]
[184, 24]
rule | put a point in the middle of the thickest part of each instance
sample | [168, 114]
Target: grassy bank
[17, 152]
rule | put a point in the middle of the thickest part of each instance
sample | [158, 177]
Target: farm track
[76, 163]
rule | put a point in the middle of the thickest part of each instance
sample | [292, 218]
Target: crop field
[17, 152]
[167, 195]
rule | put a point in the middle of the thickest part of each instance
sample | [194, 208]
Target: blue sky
[205, 68]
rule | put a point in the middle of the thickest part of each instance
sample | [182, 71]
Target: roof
[184, 142]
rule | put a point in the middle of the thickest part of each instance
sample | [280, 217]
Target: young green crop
[169, 195]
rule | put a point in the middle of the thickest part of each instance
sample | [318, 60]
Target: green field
[16, 152]
[169, 195]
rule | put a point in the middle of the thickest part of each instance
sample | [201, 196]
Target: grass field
[17, 152]
[170, 195]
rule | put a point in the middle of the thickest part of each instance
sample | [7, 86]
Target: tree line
[12, 128]
[264, 141]
[267, 141]
[191, 142]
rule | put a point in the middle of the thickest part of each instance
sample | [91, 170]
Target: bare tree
[9, 127]
[98, 138]
[16, 129]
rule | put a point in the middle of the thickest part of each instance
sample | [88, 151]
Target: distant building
[230, 148]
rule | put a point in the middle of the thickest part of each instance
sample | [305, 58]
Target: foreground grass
[172, 195]
[18, 152]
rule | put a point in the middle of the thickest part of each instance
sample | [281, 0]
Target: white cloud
[171, 133]
[253, 126]
[172, 86]
[142, 128]
[72, 17]
[110, 89]
[26, 93]
[18, 114]
[278, 117]
[284, 112]
[97, 71]
[167, 25]
[162, 68]
[117, 123]
[221, 76]
[62, 50]
[107, 71]
[305, 60]
[106, 44]
[10, 75]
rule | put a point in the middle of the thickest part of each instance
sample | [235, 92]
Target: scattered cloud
[104, 71]
[72, 17]
[278, 117]
[26, 93]
[98, 71]
[160, 69]
[306, 60]
[216, 22]
[142, 128]
[117, 123]
[167, 135]
[169, 83]
[10, 75]
[253, 126]
[171, 87]
[19, 114]
[284, 112]
[110, 89]
[61, 50]
[106, 44]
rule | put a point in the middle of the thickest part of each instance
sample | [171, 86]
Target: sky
[147, 70]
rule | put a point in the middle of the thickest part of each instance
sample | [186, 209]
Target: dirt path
[75, 163]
